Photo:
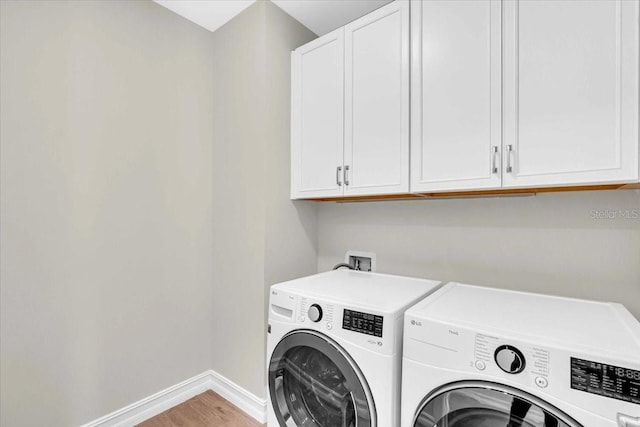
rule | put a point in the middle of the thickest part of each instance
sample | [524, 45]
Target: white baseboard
[174, 395]
[243, 399]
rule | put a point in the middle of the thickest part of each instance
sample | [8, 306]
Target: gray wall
[260, 236]
[239, 200]
[550, 243]
[291, 232]
[106, 207]
[145, 208]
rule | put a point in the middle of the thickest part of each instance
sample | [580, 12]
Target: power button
[480, 365]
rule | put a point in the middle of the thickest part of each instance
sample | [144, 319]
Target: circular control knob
[509, 359]
[314, 313]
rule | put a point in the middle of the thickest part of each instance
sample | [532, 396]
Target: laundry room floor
[206, 409]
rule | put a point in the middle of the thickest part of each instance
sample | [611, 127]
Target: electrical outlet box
[363, 261]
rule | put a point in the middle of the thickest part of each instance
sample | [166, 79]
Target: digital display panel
[605, 380]
[364, 323]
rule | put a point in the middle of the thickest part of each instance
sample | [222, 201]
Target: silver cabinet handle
[494, 166]
[509, 150]
[346, 175]
[338, 170]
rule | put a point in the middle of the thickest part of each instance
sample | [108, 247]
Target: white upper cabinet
[501, 94]
[570, 92]
[350, 109]
[376, 155]
[455, 95]
[523, 93]
[317, 74]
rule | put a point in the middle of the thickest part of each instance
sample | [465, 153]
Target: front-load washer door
[485, 404]
[313, 382]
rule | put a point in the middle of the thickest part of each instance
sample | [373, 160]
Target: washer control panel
[371, 330]
[314, 313]
[365, 323]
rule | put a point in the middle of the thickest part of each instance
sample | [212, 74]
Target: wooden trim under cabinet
[479, 193]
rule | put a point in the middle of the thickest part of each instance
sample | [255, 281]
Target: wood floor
[206, 409]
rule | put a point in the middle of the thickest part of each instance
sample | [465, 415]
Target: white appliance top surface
[376, 291]
[606, 327]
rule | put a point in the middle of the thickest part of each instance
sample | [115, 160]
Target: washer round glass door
[313, 382]
[484, 404]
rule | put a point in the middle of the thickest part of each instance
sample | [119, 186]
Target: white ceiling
[210, 14]
[320, 16]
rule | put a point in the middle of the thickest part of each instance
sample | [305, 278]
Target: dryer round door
[313, 382]
[484, 404]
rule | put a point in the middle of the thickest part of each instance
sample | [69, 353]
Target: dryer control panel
[512, 358]
[605, 380]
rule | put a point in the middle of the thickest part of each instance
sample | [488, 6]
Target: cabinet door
[455, 95]
[377, 102]
[317, 81]
[570, 92]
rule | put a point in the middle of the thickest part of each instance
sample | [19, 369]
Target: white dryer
[481, 357]
[334, 348]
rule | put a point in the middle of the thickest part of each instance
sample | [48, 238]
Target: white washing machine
[484, 357]
[334, 348]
